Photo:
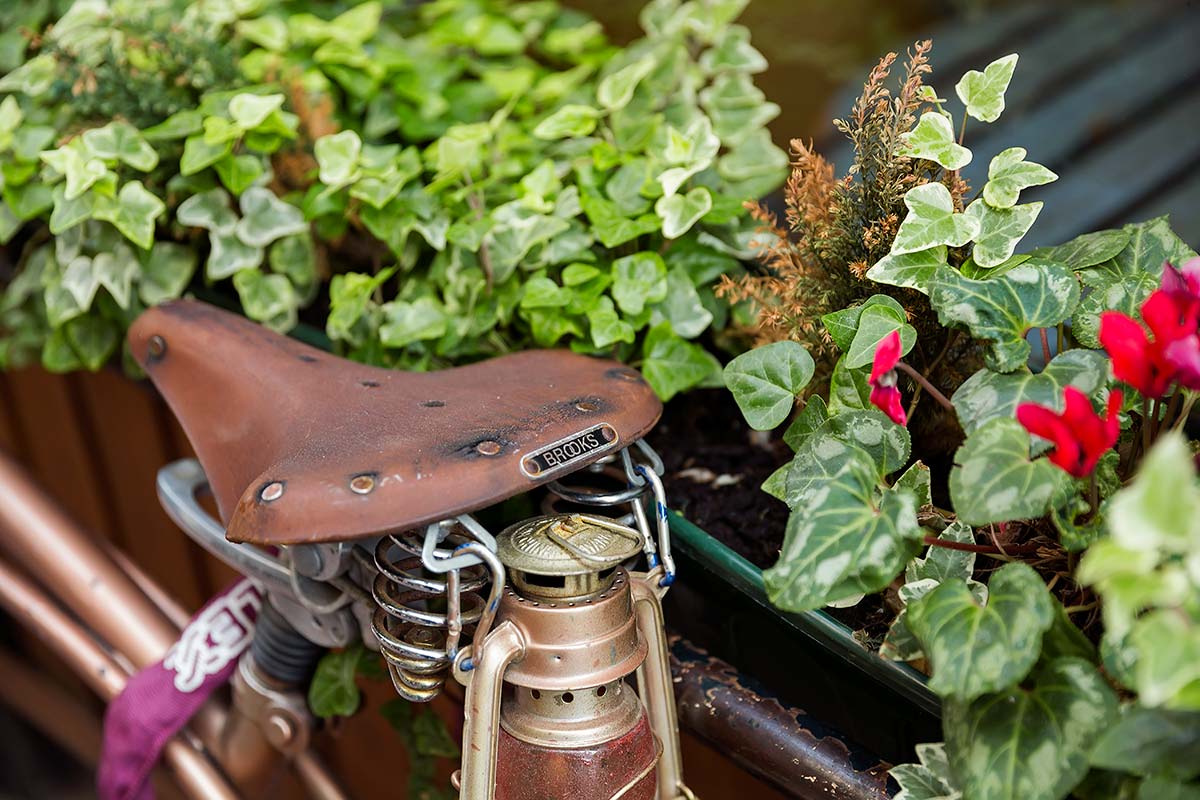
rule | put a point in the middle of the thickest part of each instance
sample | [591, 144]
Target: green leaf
[406, 323]
[1029, 743]
[569, 122]
[133, 213]
[177, 126]
[209, 210]
[988, 395]
[910, 270]
[251, 110]
[81, 170]
[1125, 294]
[1160, 509]
[928, 780]
[942, 563]
[843, 325]
[166, 270]
[1000, 229]
[977, 649]
[931, 221]
[616, 90]
[93, 339]
[1036, 294]
[541, 292]
[613, 228]
[266, 218]
[267, 32]
[1146, 741]
[120, 141]
[229, 255]
[332, 691]
[766, 380]
[1159, 788]
[1150, 244]
[269, 299]
[843, 537]
[1088, 250]
[876, 323]
[1168, 660]
[733, 53]
[239, 172]
[69, 213]
[198, 154]
[57, 355]
[638, 280]
[1009, 173]
[679, 212]
[337, 156]
[672, 365]
[683, 306]
[607, 327]
[995, 480]
[983, 92]
[933, 140]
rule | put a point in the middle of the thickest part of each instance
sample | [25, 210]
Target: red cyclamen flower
[1183, 353]
[1137, 360]
[1080, 436]
[885, 394]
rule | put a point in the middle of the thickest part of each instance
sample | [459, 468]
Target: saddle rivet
[362, 484]
[272, 491]
[157, 347]
[488, 448]
[586, 405]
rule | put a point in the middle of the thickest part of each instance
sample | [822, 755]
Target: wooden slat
[132, 447]
[1100, 189]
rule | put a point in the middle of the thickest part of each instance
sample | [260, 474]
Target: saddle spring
[420, 616]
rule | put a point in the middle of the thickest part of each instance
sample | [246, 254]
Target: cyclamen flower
[1183, 287]
[1137, 360]
[885, 394]
[1080, 436]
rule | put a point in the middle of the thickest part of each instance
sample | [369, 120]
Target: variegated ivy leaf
[1160, 509]
[269, 299]
[251, 110]
[689, 151]
[932, 222]
[933, 140]
[82, 170]
[1009, 173]
[209, 210]
[406, 323]
[69, 213]
[1087, 250]
[229, 255]
[877, 322]
[133, 212]
[1000, 230]
[266, 218]
[930, 779]
[570, 121]
[616, 90]
[983, 92]
[270, 33]
[1030, 742]
[988, 395]
[1036, 294]
[120, 141]
[679, 212]
[978, 649]
[844, 535]
[639, 280]
[166, 271]
[1149, 740]
[910, 270]
[733, 53]
[1168, 659]
[994, 479]
[337, 157]
[766, 380]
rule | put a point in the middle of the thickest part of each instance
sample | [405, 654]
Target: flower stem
[1145, 424]
[983, 549]
[1186, 411]
[1045, 344]
[925, 384]
[1156, 416]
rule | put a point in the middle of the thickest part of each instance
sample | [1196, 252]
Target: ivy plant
[1022, 552]
[441, 182]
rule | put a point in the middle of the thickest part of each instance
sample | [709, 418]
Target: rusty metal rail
[783, 746]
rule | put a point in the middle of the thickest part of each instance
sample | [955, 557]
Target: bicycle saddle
[301, 446]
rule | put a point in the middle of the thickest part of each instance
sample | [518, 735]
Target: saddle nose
[303, 446]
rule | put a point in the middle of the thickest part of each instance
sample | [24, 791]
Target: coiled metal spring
[419, 640]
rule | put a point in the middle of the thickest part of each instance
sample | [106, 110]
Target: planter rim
[815, 625]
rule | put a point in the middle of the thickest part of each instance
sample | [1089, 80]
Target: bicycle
[347, 495]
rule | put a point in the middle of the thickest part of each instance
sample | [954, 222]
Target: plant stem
[1156, 416]
[1173, 408]
[1045, 344]
[982, 549]
[1062, 340]
[925, 384]
[1145, 424]
[1186, 411]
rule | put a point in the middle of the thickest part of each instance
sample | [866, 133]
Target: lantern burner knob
[565, 556]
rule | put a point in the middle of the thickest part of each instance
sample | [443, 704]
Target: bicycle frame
[127, 623]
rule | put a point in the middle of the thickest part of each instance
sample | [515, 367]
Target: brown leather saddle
[302, 446]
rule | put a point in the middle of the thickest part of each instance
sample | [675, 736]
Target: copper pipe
[655, 685]
[196, 775]
[50, 709]
[167, 605]
[481, 723]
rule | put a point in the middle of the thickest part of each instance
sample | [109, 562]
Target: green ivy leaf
[569, 122]
[672, 365]
[120, 141]
[683, 307]
[406, 323]
[1000, 229]
[166, 271]
[876, 323]
[93, 339]
[332, 691]
[733, 53]
[988, 395]
[983, 92]
[69, 213]
[679, 212]
[928, 780]
[843, 325]
[295, 257]
[1029, 743]
[133, 213]
[1009, 173]
[239, 172]
[1168, 660]
[933, 140]
[179, 125]
[1160, 509]
[613, 228]
[267, 32]
[541, 292]
[1146, 741]
[910, 270]
[209, 210]
[607, 327]
[251, 110]
[977, 649]
[931, 221]
[995, 480]
[81, 170]
[616, 90]
[1035, 294]
[1088, 250]
[638, 280]
[266, 218]
[269, 299]
[229, 255]
[766, 381]
[198, 154]
[337, 156]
